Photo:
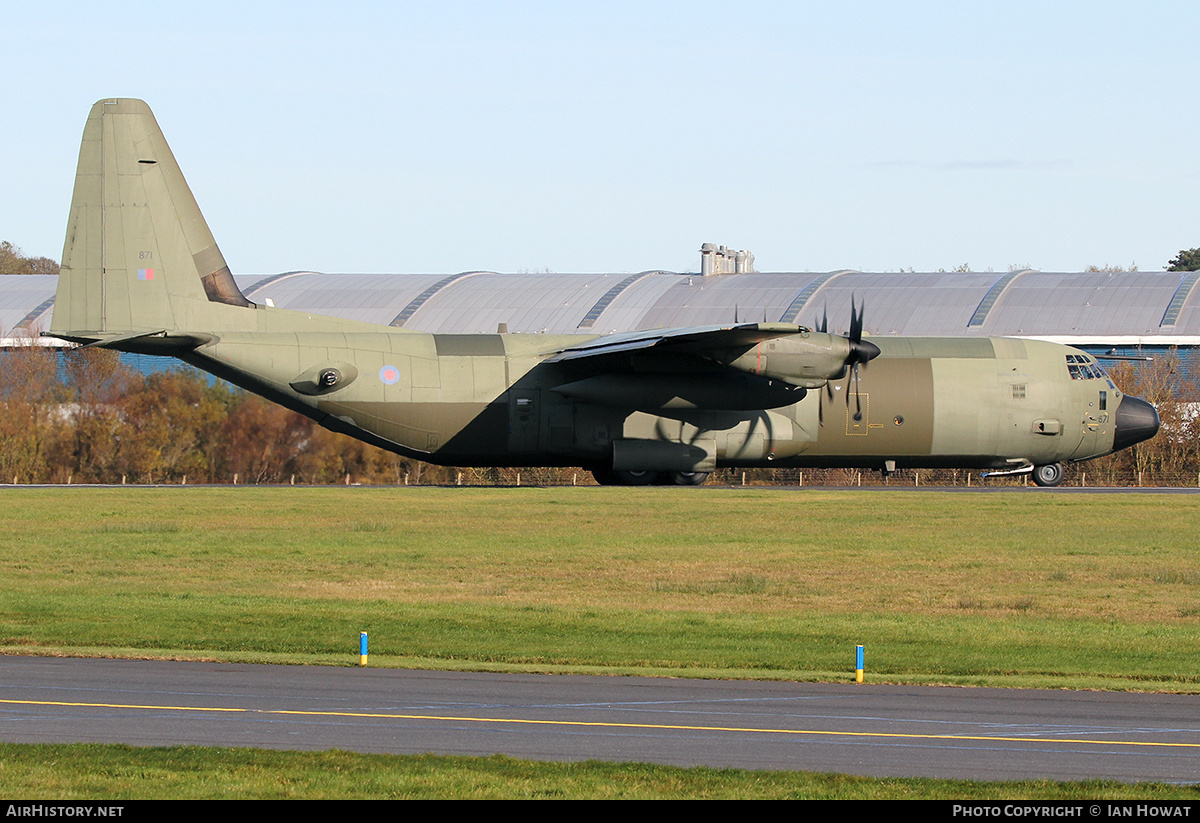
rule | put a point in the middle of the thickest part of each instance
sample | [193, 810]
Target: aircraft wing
[636, 367]
[693, 340]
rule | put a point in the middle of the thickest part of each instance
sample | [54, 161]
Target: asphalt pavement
[874, 730]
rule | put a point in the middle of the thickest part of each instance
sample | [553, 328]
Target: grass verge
[110, 772]
[993, 589]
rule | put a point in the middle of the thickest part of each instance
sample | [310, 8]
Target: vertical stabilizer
[138, 255]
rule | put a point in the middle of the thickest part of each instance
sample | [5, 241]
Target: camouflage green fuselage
[495, 400]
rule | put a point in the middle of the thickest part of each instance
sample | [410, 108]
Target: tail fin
[138, 255]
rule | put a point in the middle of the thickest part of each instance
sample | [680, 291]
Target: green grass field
[55, 772]
[1003, 589]
[999, 589]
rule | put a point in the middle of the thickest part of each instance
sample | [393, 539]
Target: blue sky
[442, 137]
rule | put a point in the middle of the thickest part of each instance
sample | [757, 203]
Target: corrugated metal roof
[525, 302]
[1094, 305]
[24, 302]
[1171, 315]
[938, 303]
[593, 314]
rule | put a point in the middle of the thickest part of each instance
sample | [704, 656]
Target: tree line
[86, 417]
[14, 261]
[83, 416]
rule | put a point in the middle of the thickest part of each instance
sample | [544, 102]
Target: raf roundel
[390, 375]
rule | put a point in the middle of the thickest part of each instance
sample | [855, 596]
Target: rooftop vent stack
[745, 262]
[716, 259]
[708, 255]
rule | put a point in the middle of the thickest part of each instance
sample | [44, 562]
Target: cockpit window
[1081, 368]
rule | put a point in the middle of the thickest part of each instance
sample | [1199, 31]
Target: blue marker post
[858, 664]
[362, 648]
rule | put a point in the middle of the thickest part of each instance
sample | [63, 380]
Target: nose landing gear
[1050, 474]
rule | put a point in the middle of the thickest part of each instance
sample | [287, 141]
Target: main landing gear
[608, 477]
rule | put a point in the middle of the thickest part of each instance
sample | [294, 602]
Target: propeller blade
[857, 398]
[821, 401]
[861, 351]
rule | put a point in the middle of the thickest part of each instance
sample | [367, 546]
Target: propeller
[823, 328]
[861, 352]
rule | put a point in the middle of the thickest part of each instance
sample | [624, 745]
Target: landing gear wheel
[605, 477]
[1049, 475]
[636, 478]
[687, 478]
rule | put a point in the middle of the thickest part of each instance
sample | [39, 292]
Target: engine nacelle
[806, 359]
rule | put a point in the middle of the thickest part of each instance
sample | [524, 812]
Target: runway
[899, 731]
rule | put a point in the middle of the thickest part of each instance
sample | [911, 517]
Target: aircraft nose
[1135, 421]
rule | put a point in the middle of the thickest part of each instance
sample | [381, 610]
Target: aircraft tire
[605, 477]
[687, 478]
[1050, 474]
[636, 478]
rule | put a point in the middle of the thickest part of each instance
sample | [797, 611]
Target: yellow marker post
[362, 648]
[858, 664]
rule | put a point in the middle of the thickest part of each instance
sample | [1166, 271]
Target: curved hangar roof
[1097, 308]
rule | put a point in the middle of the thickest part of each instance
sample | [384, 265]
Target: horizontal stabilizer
[159, 339]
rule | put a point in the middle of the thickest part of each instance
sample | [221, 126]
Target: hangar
[1102, 312]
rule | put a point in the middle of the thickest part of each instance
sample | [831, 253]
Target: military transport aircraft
[142, 273]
